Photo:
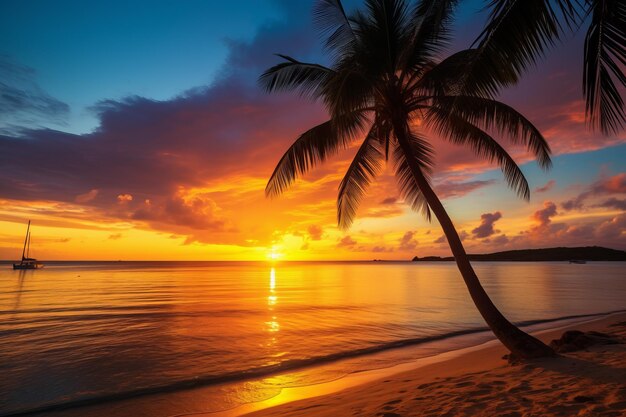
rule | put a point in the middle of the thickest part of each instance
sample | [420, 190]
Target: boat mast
[28, 246]
[26, 240]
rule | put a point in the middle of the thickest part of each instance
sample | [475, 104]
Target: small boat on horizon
[27, 262]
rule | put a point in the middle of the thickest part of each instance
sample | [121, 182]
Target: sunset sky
[136, 130]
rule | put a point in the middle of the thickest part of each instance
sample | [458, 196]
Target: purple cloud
[547, 187]
[451, 189]
[442, 239]
[612, 185]
[407, 242]
[544, 215]
[487, 222]
[613, 203]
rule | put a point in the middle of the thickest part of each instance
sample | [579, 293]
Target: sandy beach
[330, 208]
[587, 382]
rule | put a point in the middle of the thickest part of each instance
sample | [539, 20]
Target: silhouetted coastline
[586, 253]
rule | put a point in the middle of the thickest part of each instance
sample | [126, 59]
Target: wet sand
[589, 382]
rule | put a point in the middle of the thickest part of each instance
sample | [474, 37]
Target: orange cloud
[545, 188]
[124, 198]
[87, 197]
[346, 241]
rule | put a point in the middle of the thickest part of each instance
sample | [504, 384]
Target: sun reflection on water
[272, 326]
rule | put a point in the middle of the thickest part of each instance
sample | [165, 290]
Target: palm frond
[364, 167]
[605, 49]
[429, 29]
[334, 26]
[312, 148]
[348, 89]
[517, 34]
[419, 157]
[458, 130]
[469, 71]
[491, 114]
[384, 33]
[307, 78]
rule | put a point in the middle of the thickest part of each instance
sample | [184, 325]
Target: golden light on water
[272, 325]
[273, 280]
[271, 300]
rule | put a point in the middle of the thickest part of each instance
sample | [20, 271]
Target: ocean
[208, 336]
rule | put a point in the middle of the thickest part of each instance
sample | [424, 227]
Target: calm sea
[83, 332]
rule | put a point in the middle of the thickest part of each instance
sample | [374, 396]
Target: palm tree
[521, 31]
[386, 89]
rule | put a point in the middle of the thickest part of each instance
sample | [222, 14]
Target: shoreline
[348, 370]
[356, 388]
[437, 354]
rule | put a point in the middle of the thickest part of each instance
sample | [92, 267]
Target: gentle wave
[264, 371]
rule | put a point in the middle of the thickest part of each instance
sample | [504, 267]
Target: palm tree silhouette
[386, 89]
[521, 31]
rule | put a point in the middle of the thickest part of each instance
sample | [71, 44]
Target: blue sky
[83, 52]
[143, 122]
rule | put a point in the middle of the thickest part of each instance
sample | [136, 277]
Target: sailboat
[27, 262]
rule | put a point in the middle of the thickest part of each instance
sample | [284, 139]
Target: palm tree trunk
[521, 344]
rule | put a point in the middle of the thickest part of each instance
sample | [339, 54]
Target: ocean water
[94, 332]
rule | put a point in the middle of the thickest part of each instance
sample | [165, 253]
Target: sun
[274, 254]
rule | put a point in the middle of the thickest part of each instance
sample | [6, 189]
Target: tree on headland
[387, 89]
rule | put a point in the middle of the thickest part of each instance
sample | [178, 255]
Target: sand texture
[587, 382]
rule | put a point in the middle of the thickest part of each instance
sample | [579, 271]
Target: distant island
[587, 253]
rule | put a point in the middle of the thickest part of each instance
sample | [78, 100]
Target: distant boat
[27, 262]
[577, 261]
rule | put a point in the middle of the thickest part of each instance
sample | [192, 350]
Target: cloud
[389, 200]
[124, 198]
[575, 203]
[442, 239]
[609, 232]
[380, 249]
[613, 203]
[388, 211]
[195, 165]
[407, 242]
[23, 101]
[87, 197]
[387, 207]
[115, 236]
[150, 150]
[315, 232]
[197, 211]
[613, 230]
[207, 137]
[346, 241]
[581, 231]
[487, 221]
[612, 185]
[543, 216]
[551, 99]
[547, 187]
[452, 189]
[500, 240]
